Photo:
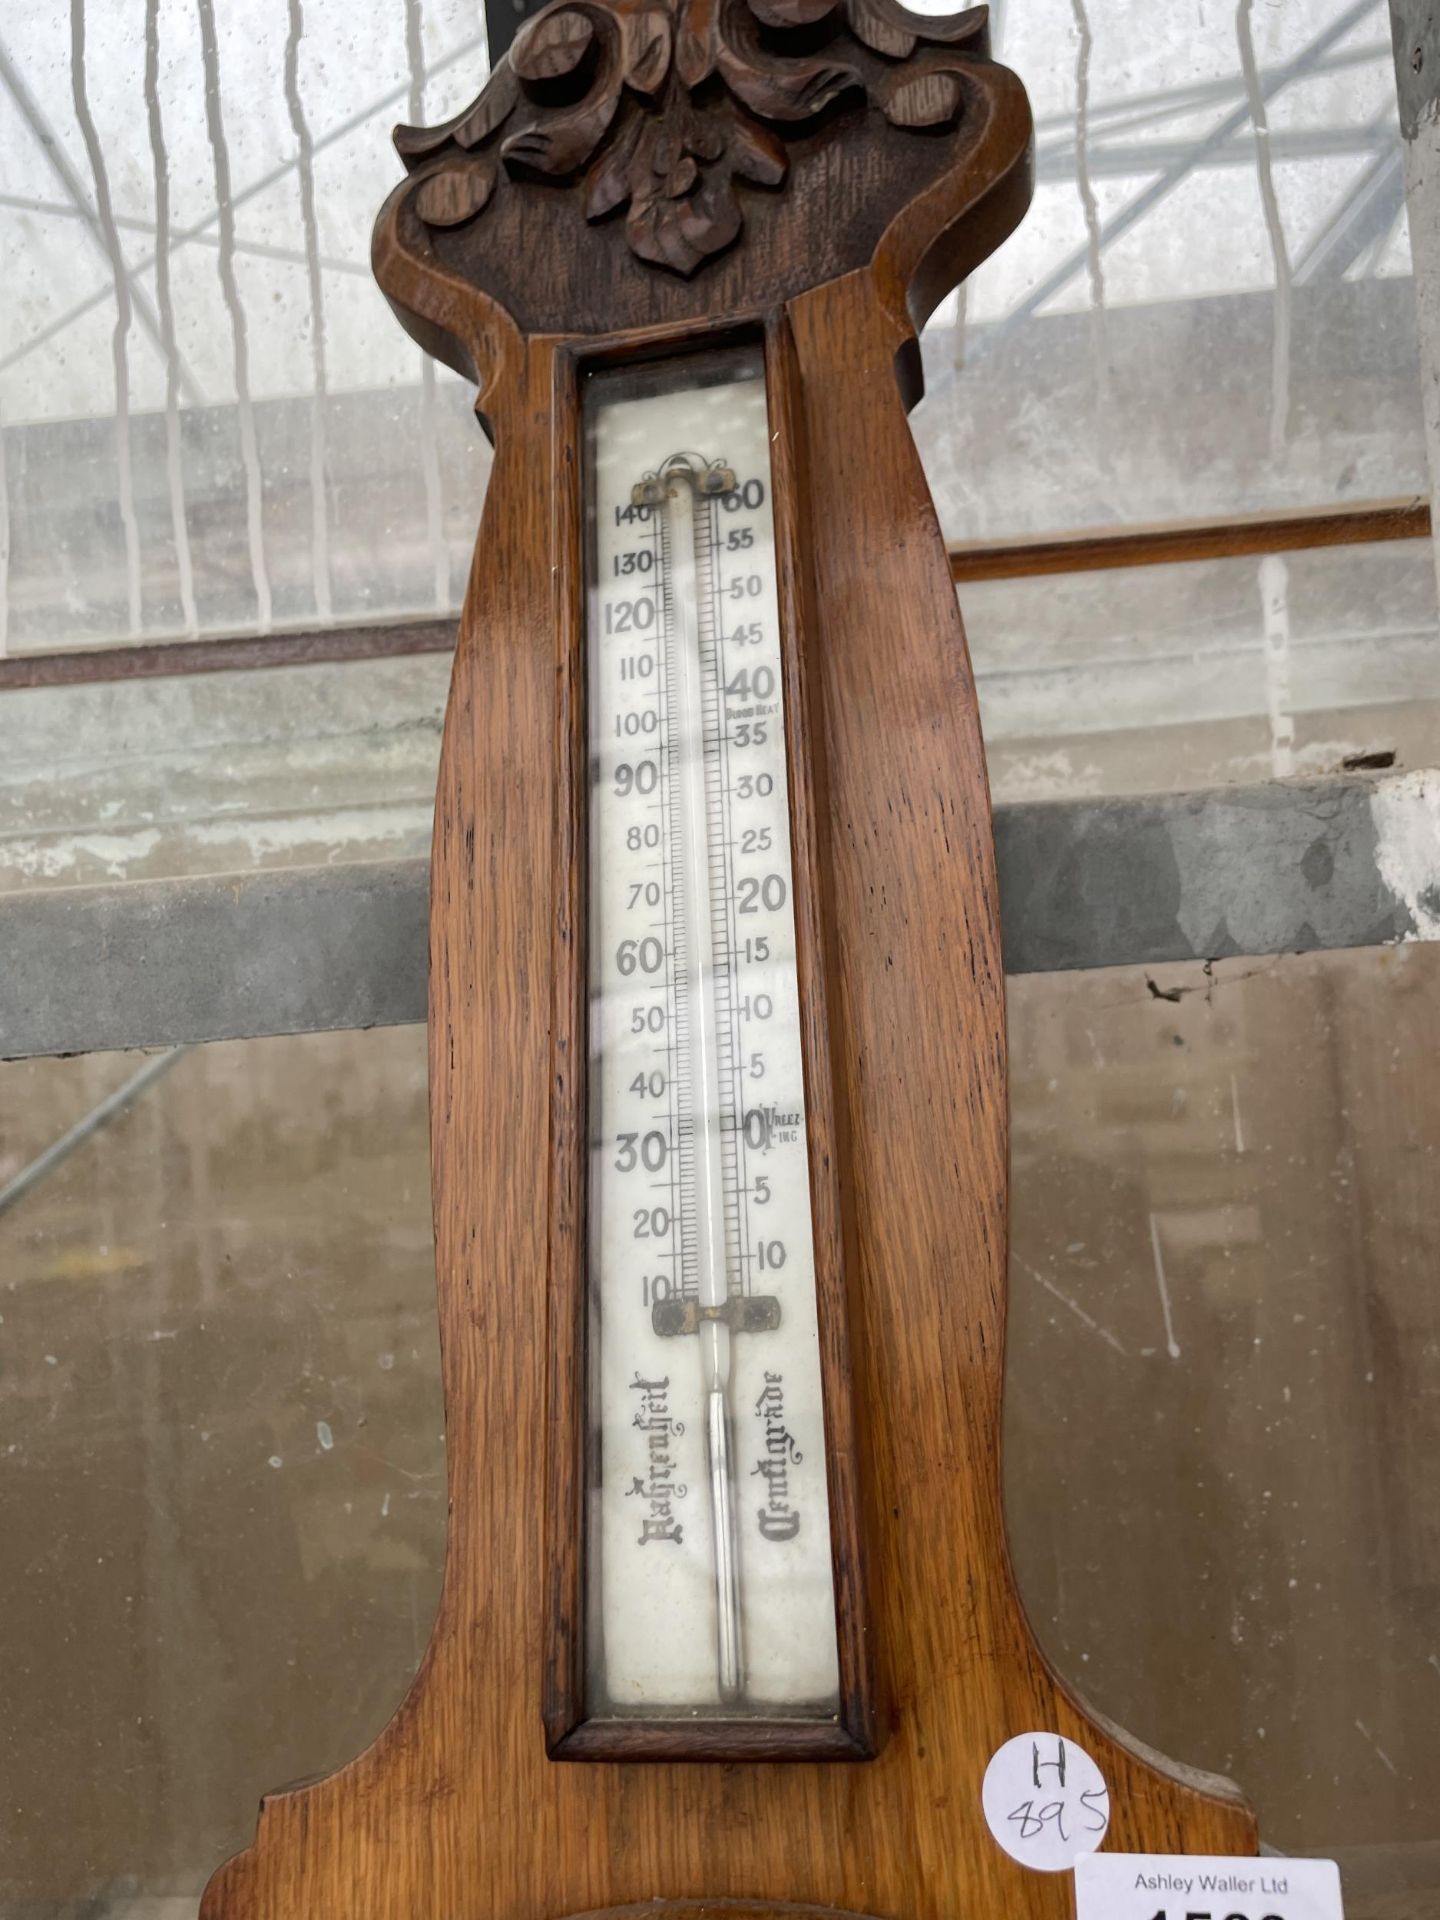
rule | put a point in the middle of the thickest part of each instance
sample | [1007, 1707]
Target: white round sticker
[1045, 1801]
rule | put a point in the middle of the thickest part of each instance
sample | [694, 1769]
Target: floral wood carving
[661, 105]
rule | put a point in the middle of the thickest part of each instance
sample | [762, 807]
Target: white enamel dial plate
[709, 1580]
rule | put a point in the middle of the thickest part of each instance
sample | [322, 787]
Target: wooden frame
[903, 155]
[570, 1732]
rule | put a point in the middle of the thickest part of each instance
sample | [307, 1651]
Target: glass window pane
[220, 1417]
[1163, 679]
[219, 772]
[1153, 343]
[1223, 1382]
[1135, 680]
[223, 1485]
[264, 446]
[1172, 331]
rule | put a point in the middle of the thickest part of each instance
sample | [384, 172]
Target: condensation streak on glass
[211, 422]
[1219, 224]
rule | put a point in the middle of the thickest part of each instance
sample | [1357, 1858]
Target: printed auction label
[1193, 1886]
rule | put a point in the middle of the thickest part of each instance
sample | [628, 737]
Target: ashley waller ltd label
[1194, 1886]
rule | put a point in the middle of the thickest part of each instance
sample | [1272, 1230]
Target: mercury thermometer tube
[682, 485]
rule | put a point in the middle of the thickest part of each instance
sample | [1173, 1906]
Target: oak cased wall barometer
[716, 1017]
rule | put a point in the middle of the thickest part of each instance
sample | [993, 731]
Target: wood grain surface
[1166, 543]
[456, 1812]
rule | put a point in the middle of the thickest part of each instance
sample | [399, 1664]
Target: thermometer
[716, 1016]
[709, 1553]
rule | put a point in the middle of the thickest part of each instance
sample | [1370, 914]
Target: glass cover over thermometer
[709, 1576]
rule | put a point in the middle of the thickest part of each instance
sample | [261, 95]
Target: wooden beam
[1164, 542]
[234, 653]
[1083, 550]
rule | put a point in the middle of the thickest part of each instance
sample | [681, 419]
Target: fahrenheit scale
[710, 1575]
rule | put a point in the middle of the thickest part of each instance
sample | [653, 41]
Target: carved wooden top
[659, 106]
[641, 165]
